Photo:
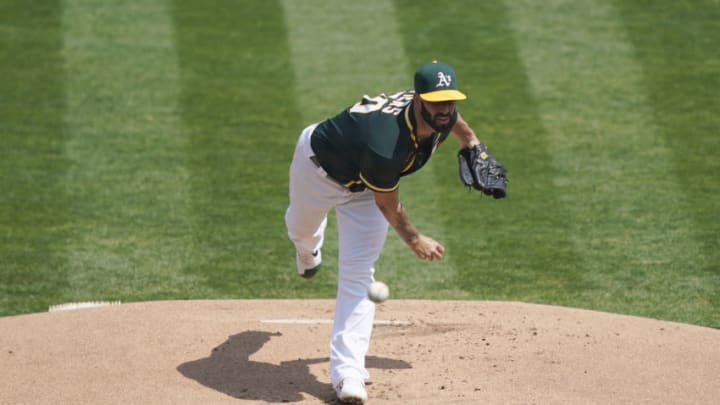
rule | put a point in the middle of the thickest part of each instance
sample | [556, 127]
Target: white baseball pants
[362, 230]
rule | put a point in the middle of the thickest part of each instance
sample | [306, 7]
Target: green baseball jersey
[373, 143]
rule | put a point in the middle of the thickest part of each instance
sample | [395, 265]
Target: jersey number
[392, 104]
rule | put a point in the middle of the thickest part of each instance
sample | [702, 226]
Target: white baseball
[378, 292]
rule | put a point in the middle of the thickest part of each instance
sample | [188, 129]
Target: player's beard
[432, 121]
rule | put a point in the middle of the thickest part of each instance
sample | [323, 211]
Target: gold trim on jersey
[351, 183]
[378, 189]
[413, 137]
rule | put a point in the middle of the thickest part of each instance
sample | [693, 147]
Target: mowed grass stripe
[127, 179]
[613, 163]
[510, 249]
[343, 50]
[32, 199]
[239, 113]
[341, 53]
[677, 45]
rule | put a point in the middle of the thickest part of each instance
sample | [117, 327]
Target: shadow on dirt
[229, 370]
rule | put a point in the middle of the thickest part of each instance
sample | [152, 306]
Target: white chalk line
[378, 322]
[81, 305]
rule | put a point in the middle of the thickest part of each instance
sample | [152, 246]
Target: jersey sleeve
[379, 173]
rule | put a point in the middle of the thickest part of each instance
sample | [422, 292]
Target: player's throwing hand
[427, 248]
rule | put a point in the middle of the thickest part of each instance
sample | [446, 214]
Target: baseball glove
[478, 169]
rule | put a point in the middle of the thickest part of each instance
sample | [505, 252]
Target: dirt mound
[275, 351]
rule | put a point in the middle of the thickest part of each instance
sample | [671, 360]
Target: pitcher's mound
[424, 352]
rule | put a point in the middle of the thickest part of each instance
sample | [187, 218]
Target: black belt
[315, 160]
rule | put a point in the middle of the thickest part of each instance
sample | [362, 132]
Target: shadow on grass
[229, 370]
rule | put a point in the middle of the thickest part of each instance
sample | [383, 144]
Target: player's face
[438, 115]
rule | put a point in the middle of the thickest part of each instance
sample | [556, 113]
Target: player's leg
[312, 195]
[362, 231]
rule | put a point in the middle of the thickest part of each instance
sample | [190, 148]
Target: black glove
[482, 171]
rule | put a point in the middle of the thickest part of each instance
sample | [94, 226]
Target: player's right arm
[423, 246]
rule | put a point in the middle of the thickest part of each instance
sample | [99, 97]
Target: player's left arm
[478, 168]
[464, 133]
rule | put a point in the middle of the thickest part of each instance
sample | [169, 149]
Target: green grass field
[145, 148]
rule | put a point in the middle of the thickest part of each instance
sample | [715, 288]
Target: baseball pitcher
[353, 163]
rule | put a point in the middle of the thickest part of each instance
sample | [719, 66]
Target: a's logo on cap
[443, 80]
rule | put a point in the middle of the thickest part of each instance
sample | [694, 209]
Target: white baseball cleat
[351, 391]
[308, 264]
